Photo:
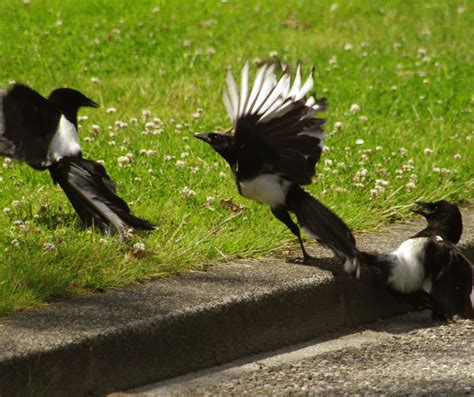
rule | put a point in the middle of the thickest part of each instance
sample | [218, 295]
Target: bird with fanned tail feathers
[274, 150]
[428, 270]
[43, 133]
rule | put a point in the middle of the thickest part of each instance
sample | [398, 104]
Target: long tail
[325, 226]
[92, 194]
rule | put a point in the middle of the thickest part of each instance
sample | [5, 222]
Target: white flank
[65, 142]
[265, 188]
[408, 273]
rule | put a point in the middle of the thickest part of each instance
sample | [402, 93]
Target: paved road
[408, 355]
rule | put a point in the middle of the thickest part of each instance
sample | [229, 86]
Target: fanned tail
[326, 227]
[92, 194]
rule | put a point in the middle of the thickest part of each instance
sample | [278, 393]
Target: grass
[407, 65]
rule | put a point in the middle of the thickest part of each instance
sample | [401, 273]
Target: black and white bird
[43, 133]
[274, 150]
[428, 270]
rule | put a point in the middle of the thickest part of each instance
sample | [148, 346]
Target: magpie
[274, 150]
[43, 133]
[428, 270]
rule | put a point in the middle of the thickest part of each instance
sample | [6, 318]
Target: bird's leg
[282, 215]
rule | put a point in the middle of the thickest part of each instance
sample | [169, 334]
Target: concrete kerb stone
[129, 337]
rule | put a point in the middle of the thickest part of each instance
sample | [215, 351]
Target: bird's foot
[306, 260]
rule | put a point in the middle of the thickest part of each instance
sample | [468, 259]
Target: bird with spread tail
[274, 150]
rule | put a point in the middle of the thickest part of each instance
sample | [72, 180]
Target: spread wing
[274, 124]
[28, 122]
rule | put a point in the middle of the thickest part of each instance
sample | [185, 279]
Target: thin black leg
[282, 215]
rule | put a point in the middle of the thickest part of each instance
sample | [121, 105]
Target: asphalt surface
[407, 355]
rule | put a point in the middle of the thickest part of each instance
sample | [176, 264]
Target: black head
[222, 144]
[443, 219]
[69, 101]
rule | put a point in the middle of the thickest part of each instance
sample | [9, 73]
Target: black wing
[452, 283]
[275, 130]
[28, 122]
[92, 194]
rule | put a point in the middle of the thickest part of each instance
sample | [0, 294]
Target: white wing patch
[265, 188]
[65, 142]
[408, 273]
[269, 97]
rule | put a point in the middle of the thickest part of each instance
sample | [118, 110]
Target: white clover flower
[393, 88]
[359, 141]
[146, 114]
[180, 164]
[403, 151]
[101, 162]
[130, 156]
[112, 143]
[210, 199]
[436, 169]
[184, 155]
[123, 160]
[185, 138]
[421, 51]
[364, 119]
[374, 193]
[150, 152]
[59, 23]
[338, 125]
[354, 108]
[273, 54]
[460, 10]
[6, 210]
[89, 139]
[83, 118]
[379, 148]
[103, 241]
[426, 81]
[328, 162]
[169, 158]
[195, 170]
[333, 61]
[133, 120]
[196, 115]
[49, 246]
[7, 162]
[457, 156]
[410, 186]
[139, 246]
[222, 174]
[15, 203]
[326, 149]
[348, 47]
[427, 151]
[359, 185]
[111, 110]
[15, 242]
[188, 192]
[334, 7]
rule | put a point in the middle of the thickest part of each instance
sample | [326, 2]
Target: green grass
[408, 65]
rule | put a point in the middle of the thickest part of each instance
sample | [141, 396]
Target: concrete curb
[126, 338]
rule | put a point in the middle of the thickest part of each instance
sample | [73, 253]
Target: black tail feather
[92, 194]
[325, 226]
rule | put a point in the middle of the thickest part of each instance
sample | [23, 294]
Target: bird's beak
[203, 137]
[90, 103]
[429, 207]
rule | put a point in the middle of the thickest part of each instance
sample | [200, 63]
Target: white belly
[408, 272]
[65, 141]
[266, 188]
